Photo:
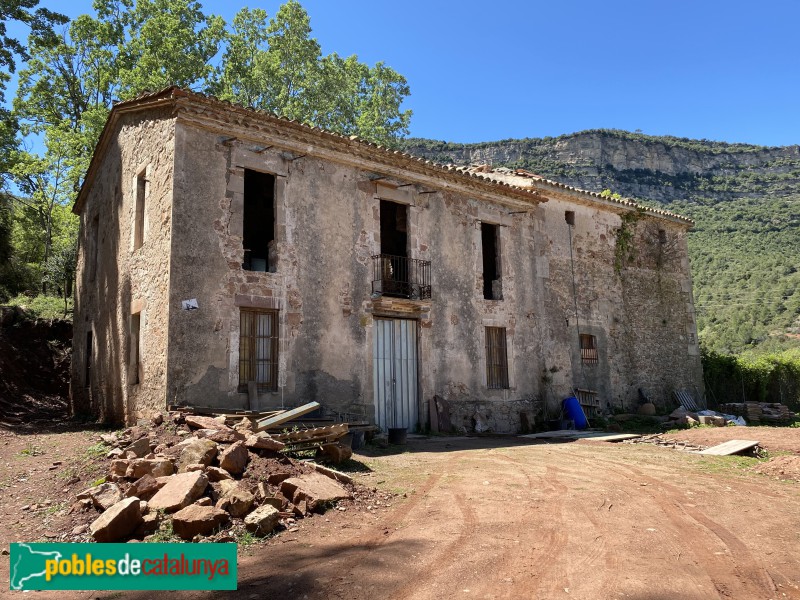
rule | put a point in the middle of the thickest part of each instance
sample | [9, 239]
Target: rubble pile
[196, 478]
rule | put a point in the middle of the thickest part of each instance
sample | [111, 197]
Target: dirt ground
[499, 518]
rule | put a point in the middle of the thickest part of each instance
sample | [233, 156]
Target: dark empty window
[258, 349]
[569, 217]
[87, 373]
[490, 243]
[138, 222]
[258, 226]
[588, 349]
[662, 236]
[394, 229]
[496, 358]
[135, 341]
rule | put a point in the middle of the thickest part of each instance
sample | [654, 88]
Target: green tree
[276, 65]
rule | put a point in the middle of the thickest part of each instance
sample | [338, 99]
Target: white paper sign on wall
[190, 304]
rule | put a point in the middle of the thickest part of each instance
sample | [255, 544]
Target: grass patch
[98, 450]
[31, 449]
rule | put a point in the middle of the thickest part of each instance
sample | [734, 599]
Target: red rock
[103, 496]
[180, 491]
[157, 467]
[197, 520]
[263, 441]
[234, 459]
[197, 451]
[201, 422]
[118, 522]
[262, 520]
[145, 487]
[316, 489]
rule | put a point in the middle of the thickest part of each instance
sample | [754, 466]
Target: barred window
[496, 358]
[588, 349]
[258, 349]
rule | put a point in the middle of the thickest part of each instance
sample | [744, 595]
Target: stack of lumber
[756, 412]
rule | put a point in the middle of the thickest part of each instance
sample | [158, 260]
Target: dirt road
[493, 518]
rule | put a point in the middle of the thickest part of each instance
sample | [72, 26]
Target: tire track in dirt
[752, 576]
[444, 558]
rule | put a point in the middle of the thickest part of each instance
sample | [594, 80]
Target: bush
[771, 377]
[43, 307]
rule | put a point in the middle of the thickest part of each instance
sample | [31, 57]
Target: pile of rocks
[203, 479]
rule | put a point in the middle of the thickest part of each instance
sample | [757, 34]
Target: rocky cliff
[661, 169]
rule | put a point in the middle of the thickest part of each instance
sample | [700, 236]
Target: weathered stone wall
[328, 227]
[124, 280]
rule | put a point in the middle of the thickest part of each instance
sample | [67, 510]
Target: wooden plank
[729, 447]
[286, 415]
[599, 436]
[338, 430]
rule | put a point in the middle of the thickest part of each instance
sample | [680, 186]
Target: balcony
[401, 277]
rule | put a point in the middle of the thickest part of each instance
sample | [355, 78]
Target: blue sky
[483, 71]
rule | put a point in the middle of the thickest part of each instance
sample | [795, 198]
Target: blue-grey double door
[395, 373]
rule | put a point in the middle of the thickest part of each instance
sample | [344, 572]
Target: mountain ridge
[744, 199]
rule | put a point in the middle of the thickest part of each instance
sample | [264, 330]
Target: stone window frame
[141, 195]
[272, 163]
[248, 302]
[136, 327]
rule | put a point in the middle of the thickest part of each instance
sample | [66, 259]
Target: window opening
[569, 217]
[258, 226]
[662, 236]
[136, 335]
[394, 264]
[490, 244]
[258, 349]
[87, 373]
[496, 358]
[141, 194]
[589, 349]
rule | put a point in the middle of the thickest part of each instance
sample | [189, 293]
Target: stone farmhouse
[229, 258]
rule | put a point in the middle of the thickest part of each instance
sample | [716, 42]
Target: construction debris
[757, 412]
[193, 487]
[657, 440]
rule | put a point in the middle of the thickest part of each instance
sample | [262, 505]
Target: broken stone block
[217, 474]
[145, 487]
[262, 490]
[157, 467]
[221, 436]
[712, 420]
[234, 459]
[277, 503]
[109, 438]
[118, 467]
[197, 520]
[115, 453]
[201, 422]
[118, 522]
[335, 453]
[244, 426]
[149, 524]
[277, 478]
[262, 520]
[103, 496]
[263, 441]
[196, 467]
[180, 491]
[204, 501]
[197, 451]
[236, 500]
[300, 509]
[140, 447]
[316, 489]
[687, 421]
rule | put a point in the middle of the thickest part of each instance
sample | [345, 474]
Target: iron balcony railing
[401, 277]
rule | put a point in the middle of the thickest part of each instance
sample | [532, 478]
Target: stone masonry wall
[124, 281]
